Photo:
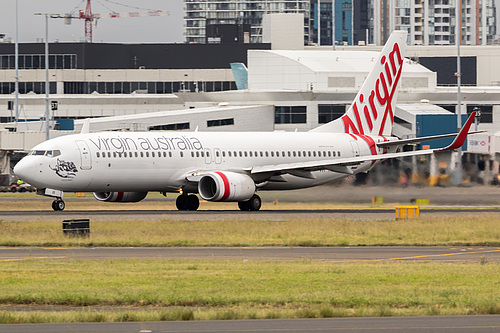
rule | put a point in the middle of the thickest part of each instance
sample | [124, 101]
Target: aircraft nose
[25, 169]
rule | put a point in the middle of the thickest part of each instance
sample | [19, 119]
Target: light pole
[47, 87]
[458, 74]
[16, 62]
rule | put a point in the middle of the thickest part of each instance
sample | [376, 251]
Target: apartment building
[201, 13]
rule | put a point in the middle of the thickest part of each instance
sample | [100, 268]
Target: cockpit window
[48, 153]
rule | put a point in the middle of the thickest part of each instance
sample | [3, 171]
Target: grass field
[468, 230]
[196, 290]
[157, 290]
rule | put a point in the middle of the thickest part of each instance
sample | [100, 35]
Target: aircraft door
[218, 156]
[355, 148]
[208, 156]
[85, 158]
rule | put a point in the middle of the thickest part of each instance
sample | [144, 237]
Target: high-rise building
[200, 13]
[433, 22]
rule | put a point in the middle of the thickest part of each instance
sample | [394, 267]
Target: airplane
[230, 166]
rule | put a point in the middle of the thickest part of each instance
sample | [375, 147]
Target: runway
[317, 254]
[438, 324]
[340, 211]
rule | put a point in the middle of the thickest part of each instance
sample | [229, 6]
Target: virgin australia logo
[65, 169]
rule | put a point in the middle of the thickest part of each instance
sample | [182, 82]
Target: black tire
[58, 205]
[243, 205]
[254, 203]
[182, 202]
[192, 202]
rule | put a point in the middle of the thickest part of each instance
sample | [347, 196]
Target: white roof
[339, 61]
[422, 108]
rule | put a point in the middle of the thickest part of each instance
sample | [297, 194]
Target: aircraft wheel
[243, 205]
[254, 203]
[192, 202]
[58, 205]
[182, 202]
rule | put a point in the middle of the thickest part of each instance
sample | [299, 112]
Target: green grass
[195, 290]
[468, 230]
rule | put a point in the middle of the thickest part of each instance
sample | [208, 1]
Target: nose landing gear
[58, 205]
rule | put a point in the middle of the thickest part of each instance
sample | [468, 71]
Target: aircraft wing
[303, 169]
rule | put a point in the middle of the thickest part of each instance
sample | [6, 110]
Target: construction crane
[91, 18]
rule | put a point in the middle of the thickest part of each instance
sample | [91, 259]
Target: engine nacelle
[120, 196]
[226, 186]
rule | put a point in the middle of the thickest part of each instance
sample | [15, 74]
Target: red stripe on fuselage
[226, 185]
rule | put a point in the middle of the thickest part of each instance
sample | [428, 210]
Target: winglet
[462, 135]
[85, 126]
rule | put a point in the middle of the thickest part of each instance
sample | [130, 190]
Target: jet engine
[226, 186]
[120, 196]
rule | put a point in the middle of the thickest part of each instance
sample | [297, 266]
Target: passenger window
[329, 154]
[261, 154]
[250, 154]
[217, 153]
[309, 154]
[298, 153]
[114, 154]
[338, 153]
[153, 154]
[147, 154]
[229, 153]
[314, 154]
[333, 153]
[293, 153]
[142, 154]
[181, 154]
[246, 154]
[208, 154]
[202, 154]
[241, 154]
[267, 154]
[170, 154]
[304, 154]
[272, 154]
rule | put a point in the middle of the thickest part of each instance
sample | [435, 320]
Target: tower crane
[91, 18]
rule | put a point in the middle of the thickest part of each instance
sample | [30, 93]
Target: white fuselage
[160, 161]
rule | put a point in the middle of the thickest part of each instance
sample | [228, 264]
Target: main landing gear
[253, 204]
[187, 202]
[58, 205]
[191, 202]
